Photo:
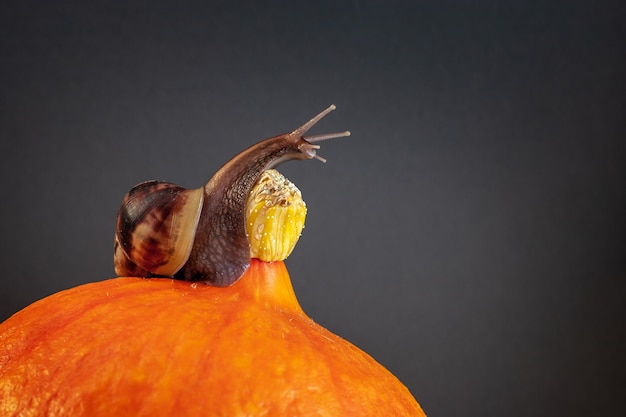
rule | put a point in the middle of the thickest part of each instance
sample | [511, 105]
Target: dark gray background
[470, 235]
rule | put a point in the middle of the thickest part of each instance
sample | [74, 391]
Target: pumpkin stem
[275, 214]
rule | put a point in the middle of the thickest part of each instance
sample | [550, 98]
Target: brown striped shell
[200, 234]
[156, 228]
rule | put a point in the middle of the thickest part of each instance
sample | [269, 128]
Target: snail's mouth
[310, 151]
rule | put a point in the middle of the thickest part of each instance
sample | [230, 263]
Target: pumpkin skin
[164, 347]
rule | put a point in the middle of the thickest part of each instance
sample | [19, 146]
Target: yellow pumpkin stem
[275, 214]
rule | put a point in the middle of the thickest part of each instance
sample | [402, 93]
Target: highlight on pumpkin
[275, 214]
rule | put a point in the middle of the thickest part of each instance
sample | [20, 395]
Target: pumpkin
[164, 347]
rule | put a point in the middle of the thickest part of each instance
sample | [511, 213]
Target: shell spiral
[156, 228]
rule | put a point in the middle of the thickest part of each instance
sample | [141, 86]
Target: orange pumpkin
[163, 347]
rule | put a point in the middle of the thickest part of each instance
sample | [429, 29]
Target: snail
[164, 230]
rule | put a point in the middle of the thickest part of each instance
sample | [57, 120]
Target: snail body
[199, 234]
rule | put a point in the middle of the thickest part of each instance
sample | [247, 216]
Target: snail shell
[200, 234]
[156, 226]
